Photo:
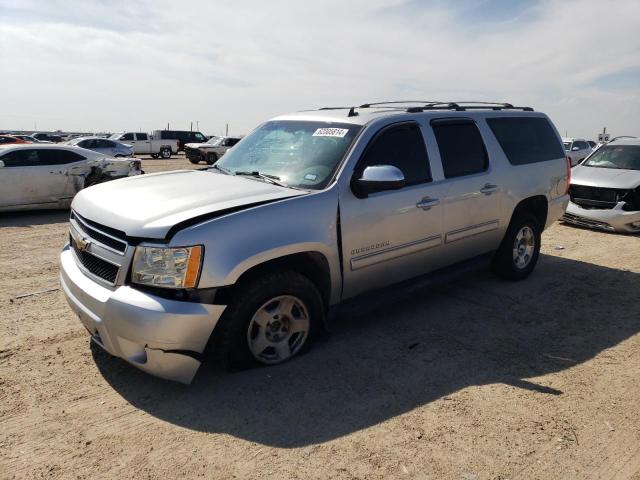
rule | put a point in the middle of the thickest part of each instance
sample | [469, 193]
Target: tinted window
[580, 144]
[127, 136]
[461, 147]
[200, 137]
[21, 158]
[105, 144]
[526, 139]
[141, 136]
[58, 157]
[403, 147]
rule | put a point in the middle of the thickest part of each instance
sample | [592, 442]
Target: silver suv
[248, 259]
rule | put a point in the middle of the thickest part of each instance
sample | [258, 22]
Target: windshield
[214, 141]
[115, 136]
[300, 154]
[624, 157]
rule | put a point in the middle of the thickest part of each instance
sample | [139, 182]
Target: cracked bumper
[614, 219]
[159, 336]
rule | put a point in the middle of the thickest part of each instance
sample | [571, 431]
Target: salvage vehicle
[145, 144]
[577, 149]
[210, 151]
[112, 148]
[44, 176]
[249, 259]
[605, 188]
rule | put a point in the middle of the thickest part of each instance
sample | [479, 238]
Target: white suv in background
[577, 149]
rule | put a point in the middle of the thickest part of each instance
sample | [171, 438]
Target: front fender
[237, 242]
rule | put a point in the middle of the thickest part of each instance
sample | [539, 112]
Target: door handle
[489, 188]
[426, 203]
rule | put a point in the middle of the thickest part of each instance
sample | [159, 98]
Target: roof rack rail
[468, 105]
[373, 104]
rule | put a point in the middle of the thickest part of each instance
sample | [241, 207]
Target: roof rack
[425, 105]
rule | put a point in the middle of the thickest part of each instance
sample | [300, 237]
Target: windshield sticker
[330, 132]
[310, 176]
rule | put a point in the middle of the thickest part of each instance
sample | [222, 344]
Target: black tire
[504, 264]
[154, 155]
[195, 162]
[165, 153]
[229, 344]
[212, 158]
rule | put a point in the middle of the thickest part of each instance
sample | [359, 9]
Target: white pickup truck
[145, 144]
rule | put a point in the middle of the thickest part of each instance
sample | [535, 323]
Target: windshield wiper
[270, 178]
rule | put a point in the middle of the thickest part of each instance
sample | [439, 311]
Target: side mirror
[378, 178]
[1, 164]
[575, 149]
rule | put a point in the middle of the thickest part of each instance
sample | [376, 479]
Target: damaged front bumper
[159, 336]
[613, 220]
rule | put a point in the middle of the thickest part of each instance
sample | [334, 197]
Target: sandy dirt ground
[476, 379]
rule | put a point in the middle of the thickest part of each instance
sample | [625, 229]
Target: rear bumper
[612, 220]
[159, 336]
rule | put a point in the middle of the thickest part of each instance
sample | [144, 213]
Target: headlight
[167, 267]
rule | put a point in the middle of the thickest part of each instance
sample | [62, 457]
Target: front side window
[301, 154]
[461, 147]
[526, 139]
[200, 137]
[127, 136]
[401, 146]
[623, 157]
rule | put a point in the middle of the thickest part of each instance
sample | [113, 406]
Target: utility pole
[191, 127]
[226, 134]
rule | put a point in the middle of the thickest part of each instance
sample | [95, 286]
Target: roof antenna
[352, 112]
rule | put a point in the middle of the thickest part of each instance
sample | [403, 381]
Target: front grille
[586, 222]
[192, 153]
[108, 240]
[596, 197]
[97, 266]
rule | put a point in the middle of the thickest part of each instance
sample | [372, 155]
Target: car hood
[195, 145]
[605, 177]
[148, 206]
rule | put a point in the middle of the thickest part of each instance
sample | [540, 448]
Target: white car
[210, 151]
[577, 149]
[42, 176]
[145, 144]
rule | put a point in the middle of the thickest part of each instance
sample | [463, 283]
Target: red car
[7, 139]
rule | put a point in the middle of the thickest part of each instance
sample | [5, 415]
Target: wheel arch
[536, 205]
[312, 264]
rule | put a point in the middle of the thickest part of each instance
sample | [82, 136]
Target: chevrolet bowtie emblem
[82, 243]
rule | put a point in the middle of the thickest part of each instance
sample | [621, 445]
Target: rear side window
[403, 147]
[461, 147]
[39, 157]
[526, 139]
[58, 157]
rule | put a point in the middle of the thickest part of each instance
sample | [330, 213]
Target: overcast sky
[112, 65]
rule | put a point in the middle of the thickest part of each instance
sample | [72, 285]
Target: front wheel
[519, 251]
[271, 319]
[212, 158]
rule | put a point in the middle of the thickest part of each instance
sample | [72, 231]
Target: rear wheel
[519, 251]
[271, 319]
[212, 158]
[195, 162]
[165, 153]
